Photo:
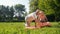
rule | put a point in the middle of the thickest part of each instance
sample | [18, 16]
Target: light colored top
[32, 14]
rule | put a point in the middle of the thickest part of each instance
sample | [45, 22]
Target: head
[39, 12]
[41, 15]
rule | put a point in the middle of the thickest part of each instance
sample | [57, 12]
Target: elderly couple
[38, 16]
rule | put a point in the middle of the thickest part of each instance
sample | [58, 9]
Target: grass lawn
[19, 28]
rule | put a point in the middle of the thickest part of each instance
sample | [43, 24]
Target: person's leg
[37, 23]
[26, 24]
[47, 24]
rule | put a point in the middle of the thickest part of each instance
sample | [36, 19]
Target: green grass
[19, 28]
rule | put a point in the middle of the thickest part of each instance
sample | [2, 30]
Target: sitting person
[42, 19]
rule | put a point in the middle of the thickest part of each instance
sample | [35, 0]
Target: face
[40, 15]
[37, 11]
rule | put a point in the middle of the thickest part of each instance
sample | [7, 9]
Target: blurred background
[16, 10]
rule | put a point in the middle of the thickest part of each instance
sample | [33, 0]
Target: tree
[20, 9]
[11, 13]
[57, 10]
[50, 7]
[6, 13]
[33, 5]
[3, 12]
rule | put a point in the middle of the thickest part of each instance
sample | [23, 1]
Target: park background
[12, 18]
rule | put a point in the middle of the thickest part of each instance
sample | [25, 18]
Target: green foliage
[48, 6]
[7, 13]
[57, 2]
[20, 7]
[33, 5]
